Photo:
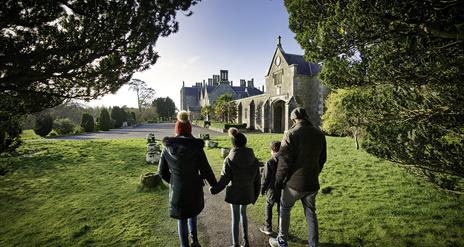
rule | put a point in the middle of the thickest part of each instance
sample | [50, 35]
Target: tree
[87, 123]
[43, 124]
[225, 108]
[407, 58]
[104, 122]
[55, 50]
[207, 112]
[165, 107]
[144, 93]
[10, 130]
[64, 126]
[119, 116]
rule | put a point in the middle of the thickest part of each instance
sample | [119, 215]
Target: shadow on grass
[298, 240]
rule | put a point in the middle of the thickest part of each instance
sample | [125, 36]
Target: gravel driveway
[160, 129]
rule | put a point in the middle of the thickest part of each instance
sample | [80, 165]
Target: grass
[62, 193]
[367, 201]
[81, 193]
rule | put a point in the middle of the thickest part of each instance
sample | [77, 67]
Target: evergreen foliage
[225, 109]
[165, 107]
[87, 123]
[104, 122]
[405, 61]
[119, 115]
[64, 126]
[10, 130]
[43, 124]
[56, 50]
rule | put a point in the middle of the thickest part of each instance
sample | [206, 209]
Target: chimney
[224, 75]
[231, 83]
[263, 89]
[250, 83]
[183, 83]
[215, 80]
[242, 83]
[210, 81]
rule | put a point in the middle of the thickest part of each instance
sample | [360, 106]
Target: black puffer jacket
[240, 174]
[183, 165]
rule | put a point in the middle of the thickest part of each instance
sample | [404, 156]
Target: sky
[236, 35]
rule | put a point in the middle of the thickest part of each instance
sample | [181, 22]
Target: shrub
[238, 126]
[64, 126]
[10, 129]
[87, 123]
[43, 124]
[105, 121]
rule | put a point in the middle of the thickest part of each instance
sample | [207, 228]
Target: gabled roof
[303, 67]
[244, 92]
[191, 91]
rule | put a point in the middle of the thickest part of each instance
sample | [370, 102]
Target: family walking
[290, 175]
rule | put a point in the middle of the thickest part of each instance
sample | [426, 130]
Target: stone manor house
[290, 82]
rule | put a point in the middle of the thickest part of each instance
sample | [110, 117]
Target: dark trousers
[272, 197]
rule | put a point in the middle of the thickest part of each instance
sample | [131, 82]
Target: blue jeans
[184, 230]
[288, 199]
[239, 215]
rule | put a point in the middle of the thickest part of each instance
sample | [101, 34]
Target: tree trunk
[356, 138]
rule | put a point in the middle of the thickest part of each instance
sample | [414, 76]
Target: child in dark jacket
[240, 174]
[267, 187]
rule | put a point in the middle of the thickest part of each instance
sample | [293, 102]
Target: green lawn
[61, 193]
[372, 202]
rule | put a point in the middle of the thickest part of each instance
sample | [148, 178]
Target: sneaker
[277, 242]
[265, 230]
[245, 244]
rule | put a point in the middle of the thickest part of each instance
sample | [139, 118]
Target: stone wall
[307, 95]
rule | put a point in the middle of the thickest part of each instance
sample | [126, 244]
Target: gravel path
[214, 223]
[160, 129]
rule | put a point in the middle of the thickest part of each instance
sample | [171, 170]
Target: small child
[267, 187]
[240, 176]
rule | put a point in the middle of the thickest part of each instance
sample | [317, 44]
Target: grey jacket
[240, 174]
[302, 157]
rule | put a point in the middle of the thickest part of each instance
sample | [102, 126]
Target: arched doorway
[239, 113]
[278, 115]
[251, 120]
[267, 117]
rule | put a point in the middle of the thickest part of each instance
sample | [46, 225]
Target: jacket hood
[242, 157]
[174, 143]
[182, 140]
[299, 113]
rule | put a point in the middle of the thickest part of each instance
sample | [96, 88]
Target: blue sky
[237, 35]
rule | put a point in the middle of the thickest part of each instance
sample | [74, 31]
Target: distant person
[183, 165]
[240, 174]
[268, 188]
[301, 159]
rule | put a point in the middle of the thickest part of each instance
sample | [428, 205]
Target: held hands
[213, 190]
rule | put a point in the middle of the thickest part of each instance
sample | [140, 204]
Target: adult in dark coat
[301, 158]
[240, 174]
[183, 165]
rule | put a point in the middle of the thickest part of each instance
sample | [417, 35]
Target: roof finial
[278, 41]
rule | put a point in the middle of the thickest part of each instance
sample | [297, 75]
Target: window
[277, 77]
[246, 113]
